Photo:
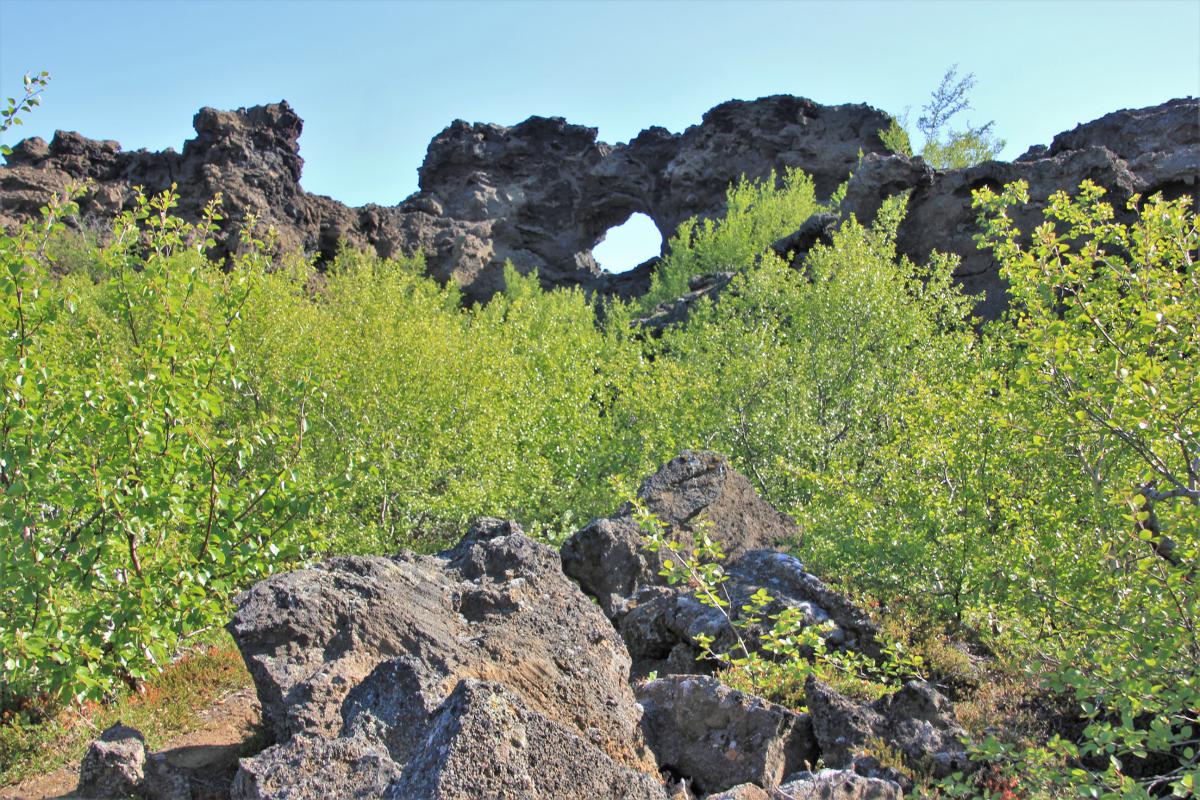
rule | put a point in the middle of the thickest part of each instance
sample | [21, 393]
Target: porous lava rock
[312, 767]
[114, 764]
[1133, 151]
[543, 193]
[719, 737]
[701, 493]
[485, 671]
[485, 742]
[695, 492]
[836, 784]
[917, 721]
[357, 661]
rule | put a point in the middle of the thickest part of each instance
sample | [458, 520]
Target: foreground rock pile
[487, 672]
[543, 193]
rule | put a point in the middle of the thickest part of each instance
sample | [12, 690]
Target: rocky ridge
[486, 672]
[544, 192]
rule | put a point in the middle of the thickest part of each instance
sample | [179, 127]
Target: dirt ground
[211, 750]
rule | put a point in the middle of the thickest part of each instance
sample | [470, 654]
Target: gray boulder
[114, 764]
[354, 659]
[917, 721]
[315, 767]
[828, 784]
[743, 791]
[718, 737]
[693, 492]
[833, 784]
[484, 742]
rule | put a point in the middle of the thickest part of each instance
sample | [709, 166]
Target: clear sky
[375, 81]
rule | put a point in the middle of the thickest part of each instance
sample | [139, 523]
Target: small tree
[946, 148]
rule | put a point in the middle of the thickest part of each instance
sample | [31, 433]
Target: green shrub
[171, 430]
[945, 147]
[141, 486]
[447, 413]
[895, 138]
[758, 213]
[1104, 335]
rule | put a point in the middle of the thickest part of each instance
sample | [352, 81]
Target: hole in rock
[628, 244]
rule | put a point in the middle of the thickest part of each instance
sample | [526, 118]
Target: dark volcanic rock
[544, 192]
[719, 737]
[354, 659]
[483, 671]
[1129, 152]
[693, 493]
[752, 138]
[916, 720]
[1132, 134]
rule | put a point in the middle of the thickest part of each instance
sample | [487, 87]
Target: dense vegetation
[172, 428]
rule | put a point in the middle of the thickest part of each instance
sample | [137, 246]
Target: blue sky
[375, 81]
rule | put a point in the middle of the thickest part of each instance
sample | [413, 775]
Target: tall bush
[141, 484]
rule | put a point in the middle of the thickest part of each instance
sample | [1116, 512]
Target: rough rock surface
[695, 491]
[114, 764]
[836, 784]
[484, 671]
[312, 767]
[916, 720]
[544, 192]
[354, 661]
[719, 737]
[484, 742]
[165, 781]
[828, 784]
[1138, 151]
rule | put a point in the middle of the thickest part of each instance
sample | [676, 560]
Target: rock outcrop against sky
[542, 193]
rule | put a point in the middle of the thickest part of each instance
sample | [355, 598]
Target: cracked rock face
[355, 660]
